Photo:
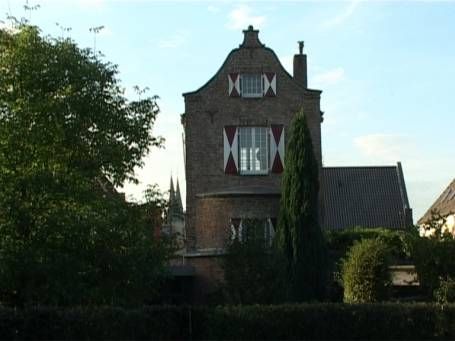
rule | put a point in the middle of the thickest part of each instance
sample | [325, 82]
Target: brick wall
[212, 223]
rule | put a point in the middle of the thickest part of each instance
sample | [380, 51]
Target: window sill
[253, 96]
[254, 174]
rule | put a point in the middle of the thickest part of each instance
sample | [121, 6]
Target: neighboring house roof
[444, 205]
[364, 196]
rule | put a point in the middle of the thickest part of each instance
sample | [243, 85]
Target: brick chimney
[251, 38]
[300, 68]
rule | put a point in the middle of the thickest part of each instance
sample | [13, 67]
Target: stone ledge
[241, 191]
[205, 253]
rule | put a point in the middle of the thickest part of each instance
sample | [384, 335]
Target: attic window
[251, 85]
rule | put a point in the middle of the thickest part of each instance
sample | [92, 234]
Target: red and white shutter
[270, 230]
[235, 228]
[240, 230]
[273, 226]
[231, 150]
[269, 79]
[234, 84]
[277, 148]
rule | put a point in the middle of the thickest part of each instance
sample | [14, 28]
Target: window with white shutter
[269, 81]
[236, 231]
[231, 150]
[277, 148]
[252, 85]
[253, 149]
[234, 84]
[245, 229]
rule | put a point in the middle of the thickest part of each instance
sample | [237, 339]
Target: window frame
[265, 171]
[244, 76]
[241, 232]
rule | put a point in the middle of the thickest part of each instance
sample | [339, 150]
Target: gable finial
[251, 38]
[301, 44]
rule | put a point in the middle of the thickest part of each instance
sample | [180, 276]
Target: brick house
[444, 206]
[235, 131]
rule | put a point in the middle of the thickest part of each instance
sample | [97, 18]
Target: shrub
[253, 270]
[445, 293]
[303, 321]
[434, 260]
[339, 242]
[365, 272]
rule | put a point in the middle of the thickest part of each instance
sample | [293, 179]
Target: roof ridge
[337, 167]
[441, 203]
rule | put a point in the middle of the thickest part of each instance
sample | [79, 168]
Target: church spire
[178, 198]
[171, 192]
[175, 202]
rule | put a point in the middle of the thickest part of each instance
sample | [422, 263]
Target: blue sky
[386, 68]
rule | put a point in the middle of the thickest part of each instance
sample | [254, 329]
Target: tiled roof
[445, 204]
[364, 196]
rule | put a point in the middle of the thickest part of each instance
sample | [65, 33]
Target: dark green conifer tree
[299, 235]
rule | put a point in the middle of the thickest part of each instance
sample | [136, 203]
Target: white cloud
[176, 40]
[328, 77]
[384, 147]
[342, 16]
[241, 17]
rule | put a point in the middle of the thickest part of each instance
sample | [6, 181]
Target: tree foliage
[433, 260]
[253, 272]
[299, 234]
[365, 272]
[68, 136]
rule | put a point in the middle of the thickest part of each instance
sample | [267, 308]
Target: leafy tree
[436, 227]
[445, 293]
[299, 234]
[68, 137]
[433, 260]
[253, 272]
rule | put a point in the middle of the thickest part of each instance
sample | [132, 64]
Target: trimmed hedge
[43, 323]
[339, 242]
[303, 321]
[365, 272]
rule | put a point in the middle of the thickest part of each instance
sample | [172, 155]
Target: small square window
[251, 85]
